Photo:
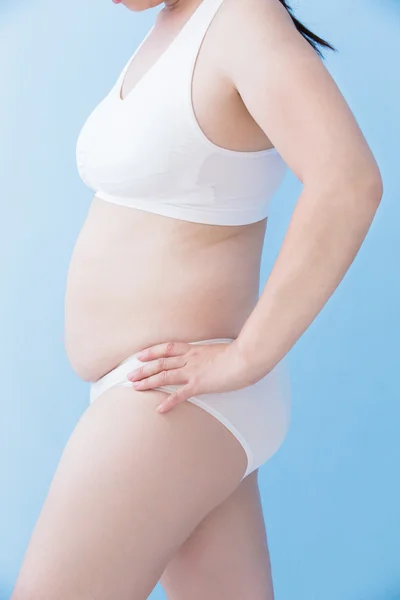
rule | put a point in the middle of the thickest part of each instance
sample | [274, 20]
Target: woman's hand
[199, 368]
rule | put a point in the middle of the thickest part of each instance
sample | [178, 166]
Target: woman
[184, 155]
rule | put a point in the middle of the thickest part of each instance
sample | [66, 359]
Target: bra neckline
[158, 60]
[123, 74]
[192, 119]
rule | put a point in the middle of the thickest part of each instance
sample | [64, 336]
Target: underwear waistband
[118, 373]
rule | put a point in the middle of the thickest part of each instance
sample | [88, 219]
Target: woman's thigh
[227, 554]
[130, 487]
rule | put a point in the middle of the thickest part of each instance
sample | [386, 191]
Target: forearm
[323, 237]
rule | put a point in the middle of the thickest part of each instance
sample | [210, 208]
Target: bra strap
[191, 37]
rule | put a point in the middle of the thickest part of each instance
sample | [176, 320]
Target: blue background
[331, 495]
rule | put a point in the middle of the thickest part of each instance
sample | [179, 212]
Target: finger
[156, 366]
[165, 349]
[175, 398]
[170, 377]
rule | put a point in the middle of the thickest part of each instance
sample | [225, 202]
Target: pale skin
[140, 497]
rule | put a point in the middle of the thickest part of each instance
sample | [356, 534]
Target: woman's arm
[293, 98]
[291, 95]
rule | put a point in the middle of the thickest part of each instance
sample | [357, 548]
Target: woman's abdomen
[136, 280]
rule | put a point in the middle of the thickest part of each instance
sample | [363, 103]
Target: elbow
[363, 188]
[359, 183]
[372, 185]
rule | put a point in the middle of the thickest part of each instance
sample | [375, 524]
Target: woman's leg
[130, 487]
[227, 554]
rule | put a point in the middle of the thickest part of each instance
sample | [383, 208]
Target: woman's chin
[138, 5]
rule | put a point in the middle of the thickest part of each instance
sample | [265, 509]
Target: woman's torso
[137, 278]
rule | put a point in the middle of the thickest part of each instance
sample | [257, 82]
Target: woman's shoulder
[254, 34]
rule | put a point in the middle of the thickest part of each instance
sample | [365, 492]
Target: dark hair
[311, 37]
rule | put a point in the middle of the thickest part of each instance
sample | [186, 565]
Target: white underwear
[257, 415]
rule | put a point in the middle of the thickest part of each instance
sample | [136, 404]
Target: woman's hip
[258, 415]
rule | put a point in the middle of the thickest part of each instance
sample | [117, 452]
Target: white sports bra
[148, 152]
